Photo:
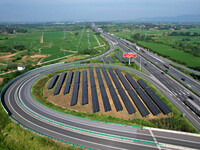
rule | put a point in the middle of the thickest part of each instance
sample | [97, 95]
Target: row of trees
[12, 49]
[184, 34]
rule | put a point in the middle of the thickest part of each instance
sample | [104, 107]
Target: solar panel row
[144, 112]
[126, 59]
[60, 83]
[105, 59]
[74, 97]
[104, 95]
[118, 57]
[142, 84]
[84, 88]
[132, 81]
[163, 107]
[68, 82]
[53, 81]
[130, 108]
[110, 59]
[113, 93]
[95, 103]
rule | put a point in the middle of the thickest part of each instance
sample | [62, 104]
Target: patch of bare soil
[65, 100]
[38, 56]
[1, 80]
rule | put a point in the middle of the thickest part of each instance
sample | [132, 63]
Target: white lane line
[154, 139]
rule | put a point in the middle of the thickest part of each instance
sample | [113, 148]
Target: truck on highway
[193, 106]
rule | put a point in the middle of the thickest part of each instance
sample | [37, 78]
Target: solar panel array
[130, 108]
[143, 110]
[95, 102]
[53, 81]
[105, 59]
[60, 83]
[104, 95]
[68, 83]
[113, 93]
[75, 89]
[145, 94]
[84, 88]
[110, 59]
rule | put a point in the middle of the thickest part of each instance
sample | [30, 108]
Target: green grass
[184, 125]
[172, 53]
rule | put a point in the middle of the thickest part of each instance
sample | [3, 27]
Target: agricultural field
[39, 44]
[180, 43]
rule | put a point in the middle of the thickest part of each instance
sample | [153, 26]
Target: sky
[93, 10]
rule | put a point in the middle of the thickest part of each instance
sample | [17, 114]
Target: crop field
[179, 43]
[45, 43]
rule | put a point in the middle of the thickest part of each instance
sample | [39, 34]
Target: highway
[178, 92]
[24, 109]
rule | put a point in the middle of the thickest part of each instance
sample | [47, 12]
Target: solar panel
[60, 83]
[53, 81]
[132, 81]
[77, 77]
[163, 107]
[74, 97]
[100, 60]
[142, 84]
[110, 59]
[113, 93]
[123, 80]
[104, 95]
[95, 102]
[120, 59]
[84, 88]
[126, 59]
[143, 110]
[68, 83]
[152, 107]
[105, 59]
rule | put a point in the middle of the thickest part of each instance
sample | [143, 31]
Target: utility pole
[140, 62]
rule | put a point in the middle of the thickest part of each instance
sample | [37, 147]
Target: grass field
[59, 41]
[172, 53]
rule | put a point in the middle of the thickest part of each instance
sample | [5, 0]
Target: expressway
[175, 89]
[24, 109]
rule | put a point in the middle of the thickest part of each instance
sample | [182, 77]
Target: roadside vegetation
[15, 137]
[177, 42]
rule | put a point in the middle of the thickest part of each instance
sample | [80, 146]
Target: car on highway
[183, 79]
[190, 97]
[162, 73]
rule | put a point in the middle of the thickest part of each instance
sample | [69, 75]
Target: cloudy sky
[94, 10]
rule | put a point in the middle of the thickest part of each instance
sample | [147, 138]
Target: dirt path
[99, 43]
[97, 40]
[68, 51]
[8, 56]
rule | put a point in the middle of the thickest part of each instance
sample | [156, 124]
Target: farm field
[45, 43]
[180, 43]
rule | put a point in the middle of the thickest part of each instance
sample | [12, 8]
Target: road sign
[130, 55]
